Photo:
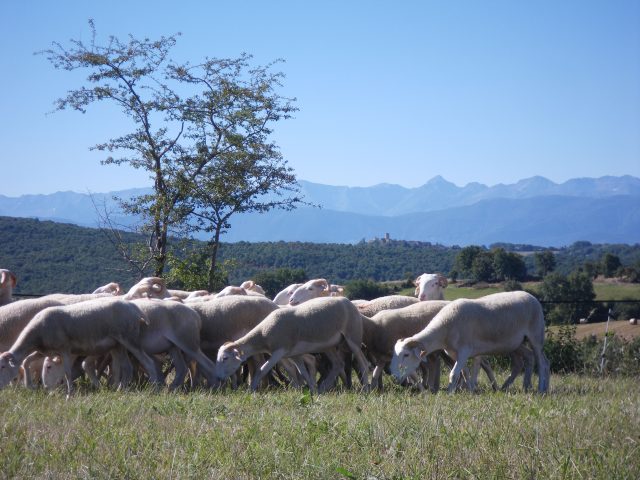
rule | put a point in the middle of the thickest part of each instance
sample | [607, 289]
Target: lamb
[430, 286]
[389, 302]
[320, 325]
[8, 281]
[174, 328]
[282, 298]
[318, 287]
[494, 324]
[87, 328]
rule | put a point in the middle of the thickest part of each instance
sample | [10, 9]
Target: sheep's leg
[122, 367]
[519, 359]
[528, 368]
[144, 359]
[486, 366]
[302, 368]
[454, 376]
[180, 366]
[292, 372]
[376, 378]
[310, 363]
[472, 378]
[337, 366]
[432, 372]
[67, 363]
[543, 368]
[264, 369]
[363, 364]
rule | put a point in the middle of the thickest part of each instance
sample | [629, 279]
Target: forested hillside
[49, 256]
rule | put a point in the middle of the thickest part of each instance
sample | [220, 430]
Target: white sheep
[8, 281]
[315, 288]
[382, 330]
[495, 324]
[282, 298]
[430, 286]
[319, 325]
[389, 302]
[87, 328]
[174, 328]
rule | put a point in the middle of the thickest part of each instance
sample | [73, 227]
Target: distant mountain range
[532, 211]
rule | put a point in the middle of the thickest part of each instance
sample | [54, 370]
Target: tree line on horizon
[53, 257]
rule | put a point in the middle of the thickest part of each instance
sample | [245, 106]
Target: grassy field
[584, 428]
[603, 291]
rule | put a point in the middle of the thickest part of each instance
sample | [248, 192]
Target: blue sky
[389, 92]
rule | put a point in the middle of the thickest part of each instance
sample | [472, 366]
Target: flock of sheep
[308, 335]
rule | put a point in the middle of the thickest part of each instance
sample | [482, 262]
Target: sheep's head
[312, 289]
[8, 279]
[429, 286]
[52, 373]
[228, 360]
[252, 286]
[113, 288]
[9, 368]
[407, 355]
[149, 287]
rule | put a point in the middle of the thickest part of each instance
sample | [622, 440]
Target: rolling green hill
[57, 257]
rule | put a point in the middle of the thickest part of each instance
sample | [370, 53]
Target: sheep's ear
[237, 353]
[321, 282]
[442, 281]
[416, 282]
[423, 353]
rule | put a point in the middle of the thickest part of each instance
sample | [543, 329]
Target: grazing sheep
[495, 324]
[87, 328]
[318, 287]
[174, 328]
[112, 288]
[229, 318]
[389, 302]
[8, 281]
[320, 325]
[381, 332]
[633, 321]
[282, 298]
[430, 286]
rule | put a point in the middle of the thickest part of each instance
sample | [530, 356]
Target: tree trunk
[213, 244]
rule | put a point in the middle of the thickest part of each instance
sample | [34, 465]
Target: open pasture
[584, 428]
